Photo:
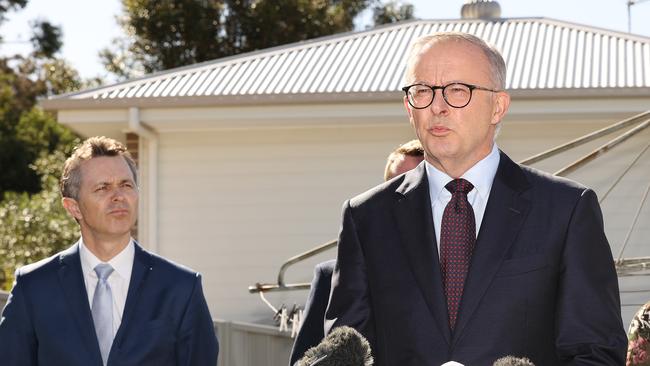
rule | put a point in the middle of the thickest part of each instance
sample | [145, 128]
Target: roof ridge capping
[591, 28]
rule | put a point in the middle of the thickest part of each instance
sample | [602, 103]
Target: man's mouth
[119, 211]
[439, 130]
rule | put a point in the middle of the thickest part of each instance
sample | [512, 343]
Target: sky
[90, 25]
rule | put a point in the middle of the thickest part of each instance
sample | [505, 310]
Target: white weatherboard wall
[234, 204]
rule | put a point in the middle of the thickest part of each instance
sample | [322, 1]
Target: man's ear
[501, 105]
[72, 206]
[409, 111]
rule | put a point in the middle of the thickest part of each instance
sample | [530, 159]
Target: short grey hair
[497, 64]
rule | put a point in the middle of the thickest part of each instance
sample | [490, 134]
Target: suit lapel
[72, 282]
[141, 267]
[415, 224]
[504, 215]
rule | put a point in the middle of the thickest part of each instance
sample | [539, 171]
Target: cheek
[134, 198]
[417, 119]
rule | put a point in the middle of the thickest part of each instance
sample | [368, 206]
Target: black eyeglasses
[457, 95]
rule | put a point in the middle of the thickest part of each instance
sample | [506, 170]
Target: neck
[105, 249]
[455, 168]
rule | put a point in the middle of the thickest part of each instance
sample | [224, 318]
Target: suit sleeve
[311, 330]
[589, 329]
[197, 345]
[349, 302]
[18, 345]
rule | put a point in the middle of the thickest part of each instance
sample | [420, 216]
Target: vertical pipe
[146, 133]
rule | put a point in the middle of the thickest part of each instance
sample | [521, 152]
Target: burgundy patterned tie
[457, 238]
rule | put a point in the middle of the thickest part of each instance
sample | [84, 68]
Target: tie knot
[103, 270]
[459, 186]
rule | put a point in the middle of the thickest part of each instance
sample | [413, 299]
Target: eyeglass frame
[442, 88]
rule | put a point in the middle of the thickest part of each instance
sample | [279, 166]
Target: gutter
[148, 134]
[61, 103]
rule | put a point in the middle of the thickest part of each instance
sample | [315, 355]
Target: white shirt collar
[481, 175]
[122, 263]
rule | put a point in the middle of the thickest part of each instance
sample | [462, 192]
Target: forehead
[105, 169]
[451, 60]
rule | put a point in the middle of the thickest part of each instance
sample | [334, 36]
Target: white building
[246, 160]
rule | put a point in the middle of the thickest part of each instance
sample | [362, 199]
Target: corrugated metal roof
[540, 54]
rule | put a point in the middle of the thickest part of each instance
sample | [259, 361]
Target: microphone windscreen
[343, 346]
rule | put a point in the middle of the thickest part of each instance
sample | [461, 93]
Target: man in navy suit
[406, 157]
[471, 257]
[105, 300]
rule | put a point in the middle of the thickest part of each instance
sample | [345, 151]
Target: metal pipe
[601, 150]
[273, 287]
[632, 261]
[302, 256]
[281, 286]
[624, 173]
[146, 133]
[585, 139]
[634, 221]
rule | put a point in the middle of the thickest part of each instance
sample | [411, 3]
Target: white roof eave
[324, 98]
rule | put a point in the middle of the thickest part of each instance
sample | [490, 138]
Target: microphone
[343, 346]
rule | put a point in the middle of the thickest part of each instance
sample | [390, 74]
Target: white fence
[243, 344]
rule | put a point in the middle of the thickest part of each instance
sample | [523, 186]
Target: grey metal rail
[627, 169]
[601, 150]
[281, 285]
[634, 221]
[586, 138]
[626, 267]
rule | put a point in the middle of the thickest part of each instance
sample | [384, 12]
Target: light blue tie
[102, 310]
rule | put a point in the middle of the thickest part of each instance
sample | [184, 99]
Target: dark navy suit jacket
[312, 330]
[166, 321]
[541, 282]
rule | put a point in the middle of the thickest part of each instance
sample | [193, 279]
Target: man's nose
[439, 105]
[118, 194]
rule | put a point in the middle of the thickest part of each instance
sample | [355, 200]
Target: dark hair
[92, 147]
[411, 148]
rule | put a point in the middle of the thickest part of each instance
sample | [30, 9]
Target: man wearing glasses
[470, 257]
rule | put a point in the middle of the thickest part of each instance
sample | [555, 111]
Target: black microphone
[343, 346]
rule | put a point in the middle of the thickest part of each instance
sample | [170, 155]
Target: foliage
[25, 131]
[33, 147]
[35, 226]
[46, 39]
[171, 33]
[7, 5]
[271, 23]
[392, 12]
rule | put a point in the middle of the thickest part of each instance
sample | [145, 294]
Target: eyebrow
[446, 83]
[104, 183]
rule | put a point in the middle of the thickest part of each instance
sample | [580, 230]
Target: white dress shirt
[480, 175]
[118, 280]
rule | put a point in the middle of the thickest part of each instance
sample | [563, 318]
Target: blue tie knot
[103, 270]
